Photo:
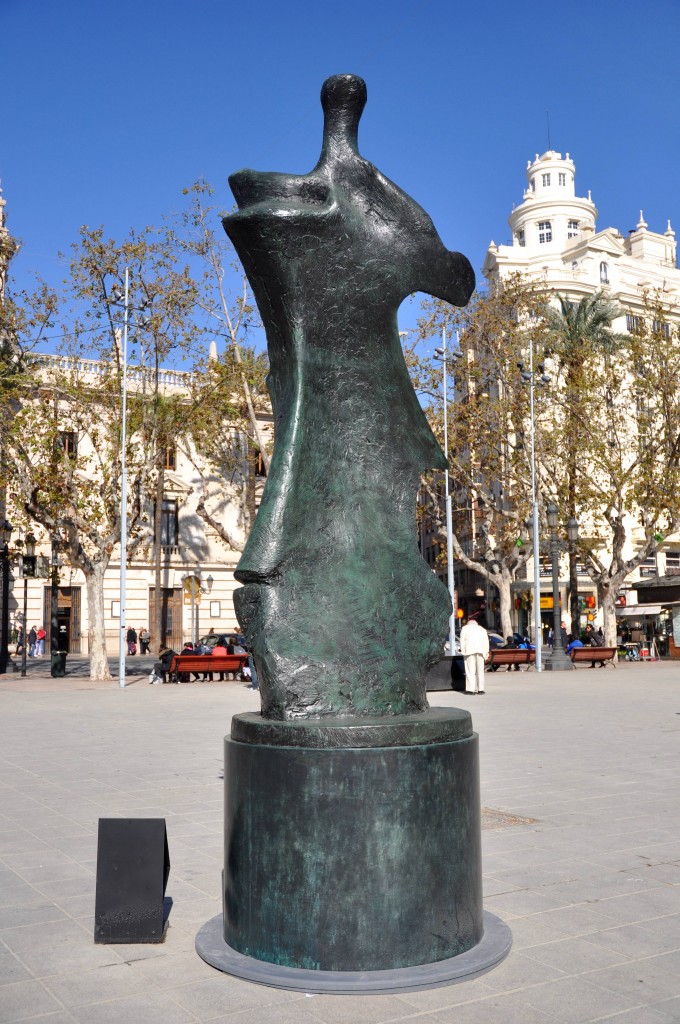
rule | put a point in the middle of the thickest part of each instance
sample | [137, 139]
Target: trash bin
[58, 667]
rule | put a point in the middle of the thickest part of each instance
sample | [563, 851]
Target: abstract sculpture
[341, 611]
[352, 837]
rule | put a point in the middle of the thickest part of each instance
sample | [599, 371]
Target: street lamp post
[559, 660]
[529, 377]
[6, 532]
[572, 534]
[443, 354]
[201, 590]
[54, 603]
[122, 298]
[27, 561]
[191, 586]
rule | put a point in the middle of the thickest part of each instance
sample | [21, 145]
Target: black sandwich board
[133, 865]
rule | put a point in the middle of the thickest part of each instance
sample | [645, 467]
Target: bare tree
[487, 454]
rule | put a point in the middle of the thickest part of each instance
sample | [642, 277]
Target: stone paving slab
[581, 845]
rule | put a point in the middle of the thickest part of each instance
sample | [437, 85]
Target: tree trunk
[574, 604]
[251, 462]
[96, 632]
[505, 604]
[572, 464]
[605, 595]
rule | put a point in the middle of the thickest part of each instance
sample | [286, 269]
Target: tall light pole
[6, 532]
[559, 659]
[574, 605]
[117, 297]
[529, 378]
[443, 354]
[27, 563]
[55, 660]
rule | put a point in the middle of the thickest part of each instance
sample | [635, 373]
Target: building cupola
[551, 213]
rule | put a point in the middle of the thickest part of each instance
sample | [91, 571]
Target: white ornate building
[556, 241]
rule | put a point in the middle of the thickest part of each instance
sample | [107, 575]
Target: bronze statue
[343, 615]
[352, 836]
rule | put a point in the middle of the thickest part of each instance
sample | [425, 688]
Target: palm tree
[577, 333]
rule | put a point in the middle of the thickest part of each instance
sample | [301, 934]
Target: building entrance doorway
[171, 618]
[68, 619]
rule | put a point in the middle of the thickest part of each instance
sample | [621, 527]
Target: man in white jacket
[474, 646]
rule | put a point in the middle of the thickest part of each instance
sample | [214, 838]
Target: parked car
[456, 647]
[211, 639]
[495, 639]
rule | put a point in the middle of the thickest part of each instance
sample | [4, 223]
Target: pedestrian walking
[144, 640]
[131, 639]
[32, 641]
[254, 684]
[20, 639]
[40, 642]
[474, 646]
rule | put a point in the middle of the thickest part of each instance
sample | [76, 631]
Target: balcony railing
[99, 367]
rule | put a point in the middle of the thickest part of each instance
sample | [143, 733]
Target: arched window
[604, 273]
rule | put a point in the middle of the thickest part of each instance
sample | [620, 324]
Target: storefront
[641, 625]
[665, 591]
[522, 596]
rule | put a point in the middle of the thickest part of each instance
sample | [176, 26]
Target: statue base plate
[493, 948]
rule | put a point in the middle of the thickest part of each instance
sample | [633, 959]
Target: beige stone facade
[191, 549]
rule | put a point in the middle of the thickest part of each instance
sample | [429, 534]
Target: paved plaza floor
[581, 846]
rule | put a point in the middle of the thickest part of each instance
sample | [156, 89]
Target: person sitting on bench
[220, 650]
[593, 640]
[162, 666]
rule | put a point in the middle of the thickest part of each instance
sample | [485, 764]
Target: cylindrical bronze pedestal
[352, 846]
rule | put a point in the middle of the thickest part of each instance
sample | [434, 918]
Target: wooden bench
[509, 656]
[603, 655]
[202, 663]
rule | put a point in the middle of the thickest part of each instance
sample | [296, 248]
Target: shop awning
[637, 611]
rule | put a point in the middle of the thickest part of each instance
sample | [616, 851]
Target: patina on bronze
[343, 615]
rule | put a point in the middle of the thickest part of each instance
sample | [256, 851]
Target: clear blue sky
[109, 110]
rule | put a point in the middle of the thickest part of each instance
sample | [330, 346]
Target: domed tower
[551, 213]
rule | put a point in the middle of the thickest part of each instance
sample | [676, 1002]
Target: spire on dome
[669, 230]
[642, 223]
